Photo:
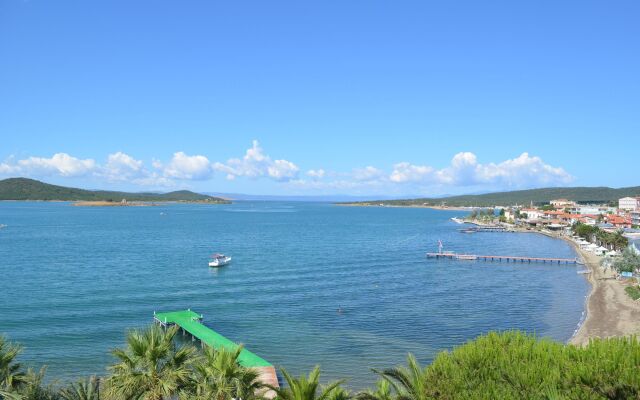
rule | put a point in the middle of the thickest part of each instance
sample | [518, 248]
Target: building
[532, 213]
[590, 210]
[562, 203]
[618, 221]
[635, 218]
[629, 203]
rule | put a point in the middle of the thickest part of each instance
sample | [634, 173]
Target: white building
[590, 210]
[629, 203]
[532, 214]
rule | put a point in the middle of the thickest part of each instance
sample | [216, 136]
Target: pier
[484, 229]
[190, 322]
[473, 257]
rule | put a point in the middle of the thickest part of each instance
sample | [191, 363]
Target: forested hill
[30, 189]
[537, 196]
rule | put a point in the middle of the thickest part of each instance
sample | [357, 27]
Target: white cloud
[523, 171]
[367, 174]
[406, 172]
[282, 170]
[59, 164]
[316, 173]
[122, 167]
[464, 170]
[256, 164]
[183, 166]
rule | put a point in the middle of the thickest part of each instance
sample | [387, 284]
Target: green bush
[633, 292]
[515, 365]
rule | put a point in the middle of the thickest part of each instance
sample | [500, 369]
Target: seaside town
[605, 229]
[605, 235]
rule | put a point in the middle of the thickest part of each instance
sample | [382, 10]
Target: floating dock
[473, 257]
[190, 322]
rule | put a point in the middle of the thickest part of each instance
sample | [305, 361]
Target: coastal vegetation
[629, 261]
[594, 234]
[30, 189]
[542, 196]
[507, 365]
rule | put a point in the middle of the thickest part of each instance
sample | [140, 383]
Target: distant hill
[30, 189]
[537, 196]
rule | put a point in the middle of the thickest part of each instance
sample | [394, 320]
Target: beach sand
[610, 311]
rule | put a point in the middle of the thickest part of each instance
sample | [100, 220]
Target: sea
[346, 288]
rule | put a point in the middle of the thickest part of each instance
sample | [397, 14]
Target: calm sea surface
[74, 279]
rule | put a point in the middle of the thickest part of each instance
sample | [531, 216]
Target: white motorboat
[457, 220]
[219, 260]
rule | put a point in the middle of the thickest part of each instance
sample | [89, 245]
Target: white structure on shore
[629, 203]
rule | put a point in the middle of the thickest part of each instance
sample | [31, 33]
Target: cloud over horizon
[464, 170]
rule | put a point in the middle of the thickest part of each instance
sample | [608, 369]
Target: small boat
[219, 260]
[469, 230]
[584, 272]
[457, 220]
[3, 226]
[469, 257]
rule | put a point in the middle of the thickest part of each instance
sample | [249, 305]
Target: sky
[400, 98]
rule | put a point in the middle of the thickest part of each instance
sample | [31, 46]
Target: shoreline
[608, 311]
[445, 208]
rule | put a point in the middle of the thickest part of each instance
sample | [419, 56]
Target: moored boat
[457, 220]
[219, 260]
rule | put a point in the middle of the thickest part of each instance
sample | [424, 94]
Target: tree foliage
[508, 365]
[629, 261]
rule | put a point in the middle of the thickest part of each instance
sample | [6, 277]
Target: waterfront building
[532, 213]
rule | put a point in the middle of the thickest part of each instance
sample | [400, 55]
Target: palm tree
[86, 389]
[152, 367]
[32, 388]
[218, 375]
[305, 388]
[409, 382]
[11, 373]
[382, 392]
[339, 393]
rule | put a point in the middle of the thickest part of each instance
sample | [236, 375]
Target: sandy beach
[610, 311]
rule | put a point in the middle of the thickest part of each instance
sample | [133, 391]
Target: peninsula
[23, 189]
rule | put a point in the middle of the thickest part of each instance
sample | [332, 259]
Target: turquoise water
[74, 279]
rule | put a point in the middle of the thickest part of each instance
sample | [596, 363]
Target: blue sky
[357, 97]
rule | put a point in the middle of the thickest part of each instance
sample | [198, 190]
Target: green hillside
[30, 189]
[537, 196]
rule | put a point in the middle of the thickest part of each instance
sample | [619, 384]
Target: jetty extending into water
[190, 322]
[487, 228]
[473, 257]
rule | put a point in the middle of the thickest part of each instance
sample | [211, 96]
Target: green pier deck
[189, 321]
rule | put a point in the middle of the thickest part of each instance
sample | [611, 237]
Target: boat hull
[219, 262]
